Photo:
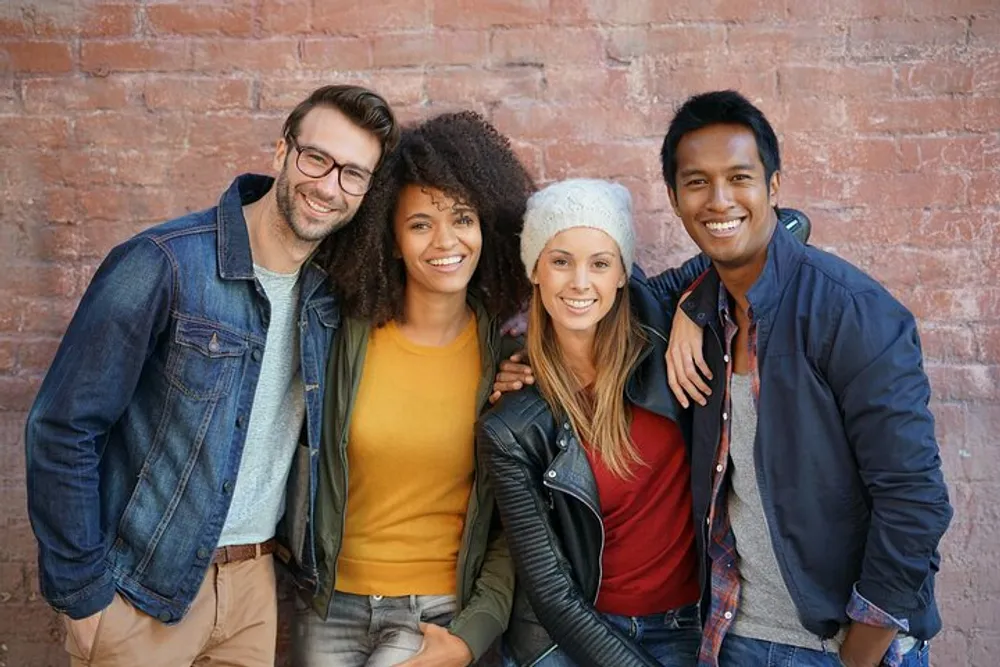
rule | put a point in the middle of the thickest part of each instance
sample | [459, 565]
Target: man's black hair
[720, 107]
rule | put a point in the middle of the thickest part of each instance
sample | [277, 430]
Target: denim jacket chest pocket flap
[204, 358]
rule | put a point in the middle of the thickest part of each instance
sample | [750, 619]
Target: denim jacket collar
[235, 259]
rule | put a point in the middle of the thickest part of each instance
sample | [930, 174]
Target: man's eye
[316, 158]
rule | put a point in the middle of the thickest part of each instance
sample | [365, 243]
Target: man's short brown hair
[367, 109]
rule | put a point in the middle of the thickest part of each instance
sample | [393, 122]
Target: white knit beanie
[578, 202]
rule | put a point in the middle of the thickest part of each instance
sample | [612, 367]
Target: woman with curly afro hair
[409, 552]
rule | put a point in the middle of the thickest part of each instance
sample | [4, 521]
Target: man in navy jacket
[816, 475]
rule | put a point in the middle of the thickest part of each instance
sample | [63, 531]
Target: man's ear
[280, 153]
[773, 187]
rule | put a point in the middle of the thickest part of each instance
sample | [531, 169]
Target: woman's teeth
[445, 261]
[579, 303]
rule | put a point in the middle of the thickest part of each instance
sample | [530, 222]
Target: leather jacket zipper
[600, 522]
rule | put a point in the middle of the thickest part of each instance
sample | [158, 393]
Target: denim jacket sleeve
[86, 390]
[875, 369]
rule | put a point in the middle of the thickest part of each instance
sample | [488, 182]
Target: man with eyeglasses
[181, 415]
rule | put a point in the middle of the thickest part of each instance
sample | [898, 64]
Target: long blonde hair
[601, 418]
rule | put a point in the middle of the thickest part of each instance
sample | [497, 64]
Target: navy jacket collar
[784, 255]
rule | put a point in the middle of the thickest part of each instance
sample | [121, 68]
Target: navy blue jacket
[849, 469]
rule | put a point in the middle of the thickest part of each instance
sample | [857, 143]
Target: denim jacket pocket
[204, 359]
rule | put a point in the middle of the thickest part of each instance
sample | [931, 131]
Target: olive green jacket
[485, 574]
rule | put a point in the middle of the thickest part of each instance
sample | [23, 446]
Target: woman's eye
[601, 264]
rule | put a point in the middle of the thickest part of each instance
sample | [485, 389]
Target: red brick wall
[116, 115]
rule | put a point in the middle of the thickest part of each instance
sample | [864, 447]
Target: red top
[649, 563]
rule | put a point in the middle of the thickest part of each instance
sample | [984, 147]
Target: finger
[494, 397]
[516, 358]
[689, 389]
[514, 368]
[699, 361]
[693, 359]
[504, 387]
[674, 387]
[691, 371]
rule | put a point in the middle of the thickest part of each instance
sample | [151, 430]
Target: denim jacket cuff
[87, 601]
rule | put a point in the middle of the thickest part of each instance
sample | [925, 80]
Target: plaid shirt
[725, 575]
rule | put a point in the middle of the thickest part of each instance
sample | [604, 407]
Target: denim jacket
[135, 438]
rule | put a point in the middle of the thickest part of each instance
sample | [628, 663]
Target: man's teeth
[316, 206]
[724, 226]
[445, 261]
[579, 303]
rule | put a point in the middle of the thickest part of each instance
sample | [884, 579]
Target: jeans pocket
[436, 609]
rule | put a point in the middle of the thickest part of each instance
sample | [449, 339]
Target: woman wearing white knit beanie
[589, 464]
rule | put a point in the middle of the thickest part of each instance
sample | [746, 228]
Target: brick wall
[116, 115]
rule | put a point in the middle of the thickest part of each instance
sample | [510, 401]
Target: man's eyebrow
[327, 154]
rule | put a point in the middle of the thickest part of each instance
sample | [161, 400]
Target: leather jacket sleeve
[572, 622]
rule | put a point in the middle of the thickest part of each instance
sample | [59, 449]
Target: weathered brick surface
[117, 114]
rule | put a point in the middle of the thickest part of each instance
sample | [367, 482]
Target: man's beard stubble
[286, 209]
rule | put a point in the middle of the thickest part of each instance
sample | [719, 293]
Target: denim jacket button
[227, 487]
[202, 553]
[163, 616]
[256, 355]
[239, 421]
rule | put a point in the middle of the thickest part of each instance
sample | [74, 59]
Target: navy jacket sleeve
[875, 369]
[86, 390]
[572, 622]
[671, 284]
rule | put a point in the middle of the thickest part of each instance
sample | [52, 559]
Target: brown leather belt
[235, 553]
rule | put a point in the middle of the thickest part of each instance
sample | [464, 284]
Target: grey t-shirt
[766, 609]
[275, 420]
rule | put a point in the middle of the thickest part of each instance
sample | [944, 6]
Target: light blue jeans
[746, 652]
[366, 630]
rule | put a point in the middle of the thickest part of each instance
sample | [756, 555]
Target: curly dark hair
[465, 157]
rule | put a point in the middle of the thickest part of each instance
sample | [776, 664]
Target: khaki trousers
[232, 622]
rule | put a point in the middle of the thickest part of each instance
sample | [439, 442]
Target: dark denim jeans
[745, 652]
[672, 638]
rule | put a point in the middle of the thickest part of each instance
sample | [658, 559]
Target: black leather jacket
[548, 500]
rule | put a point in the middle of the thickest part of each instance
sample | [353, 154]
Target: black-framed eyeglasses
[314, 163]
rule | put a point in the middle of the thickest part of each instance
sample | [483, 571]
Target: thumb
[424, 627]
